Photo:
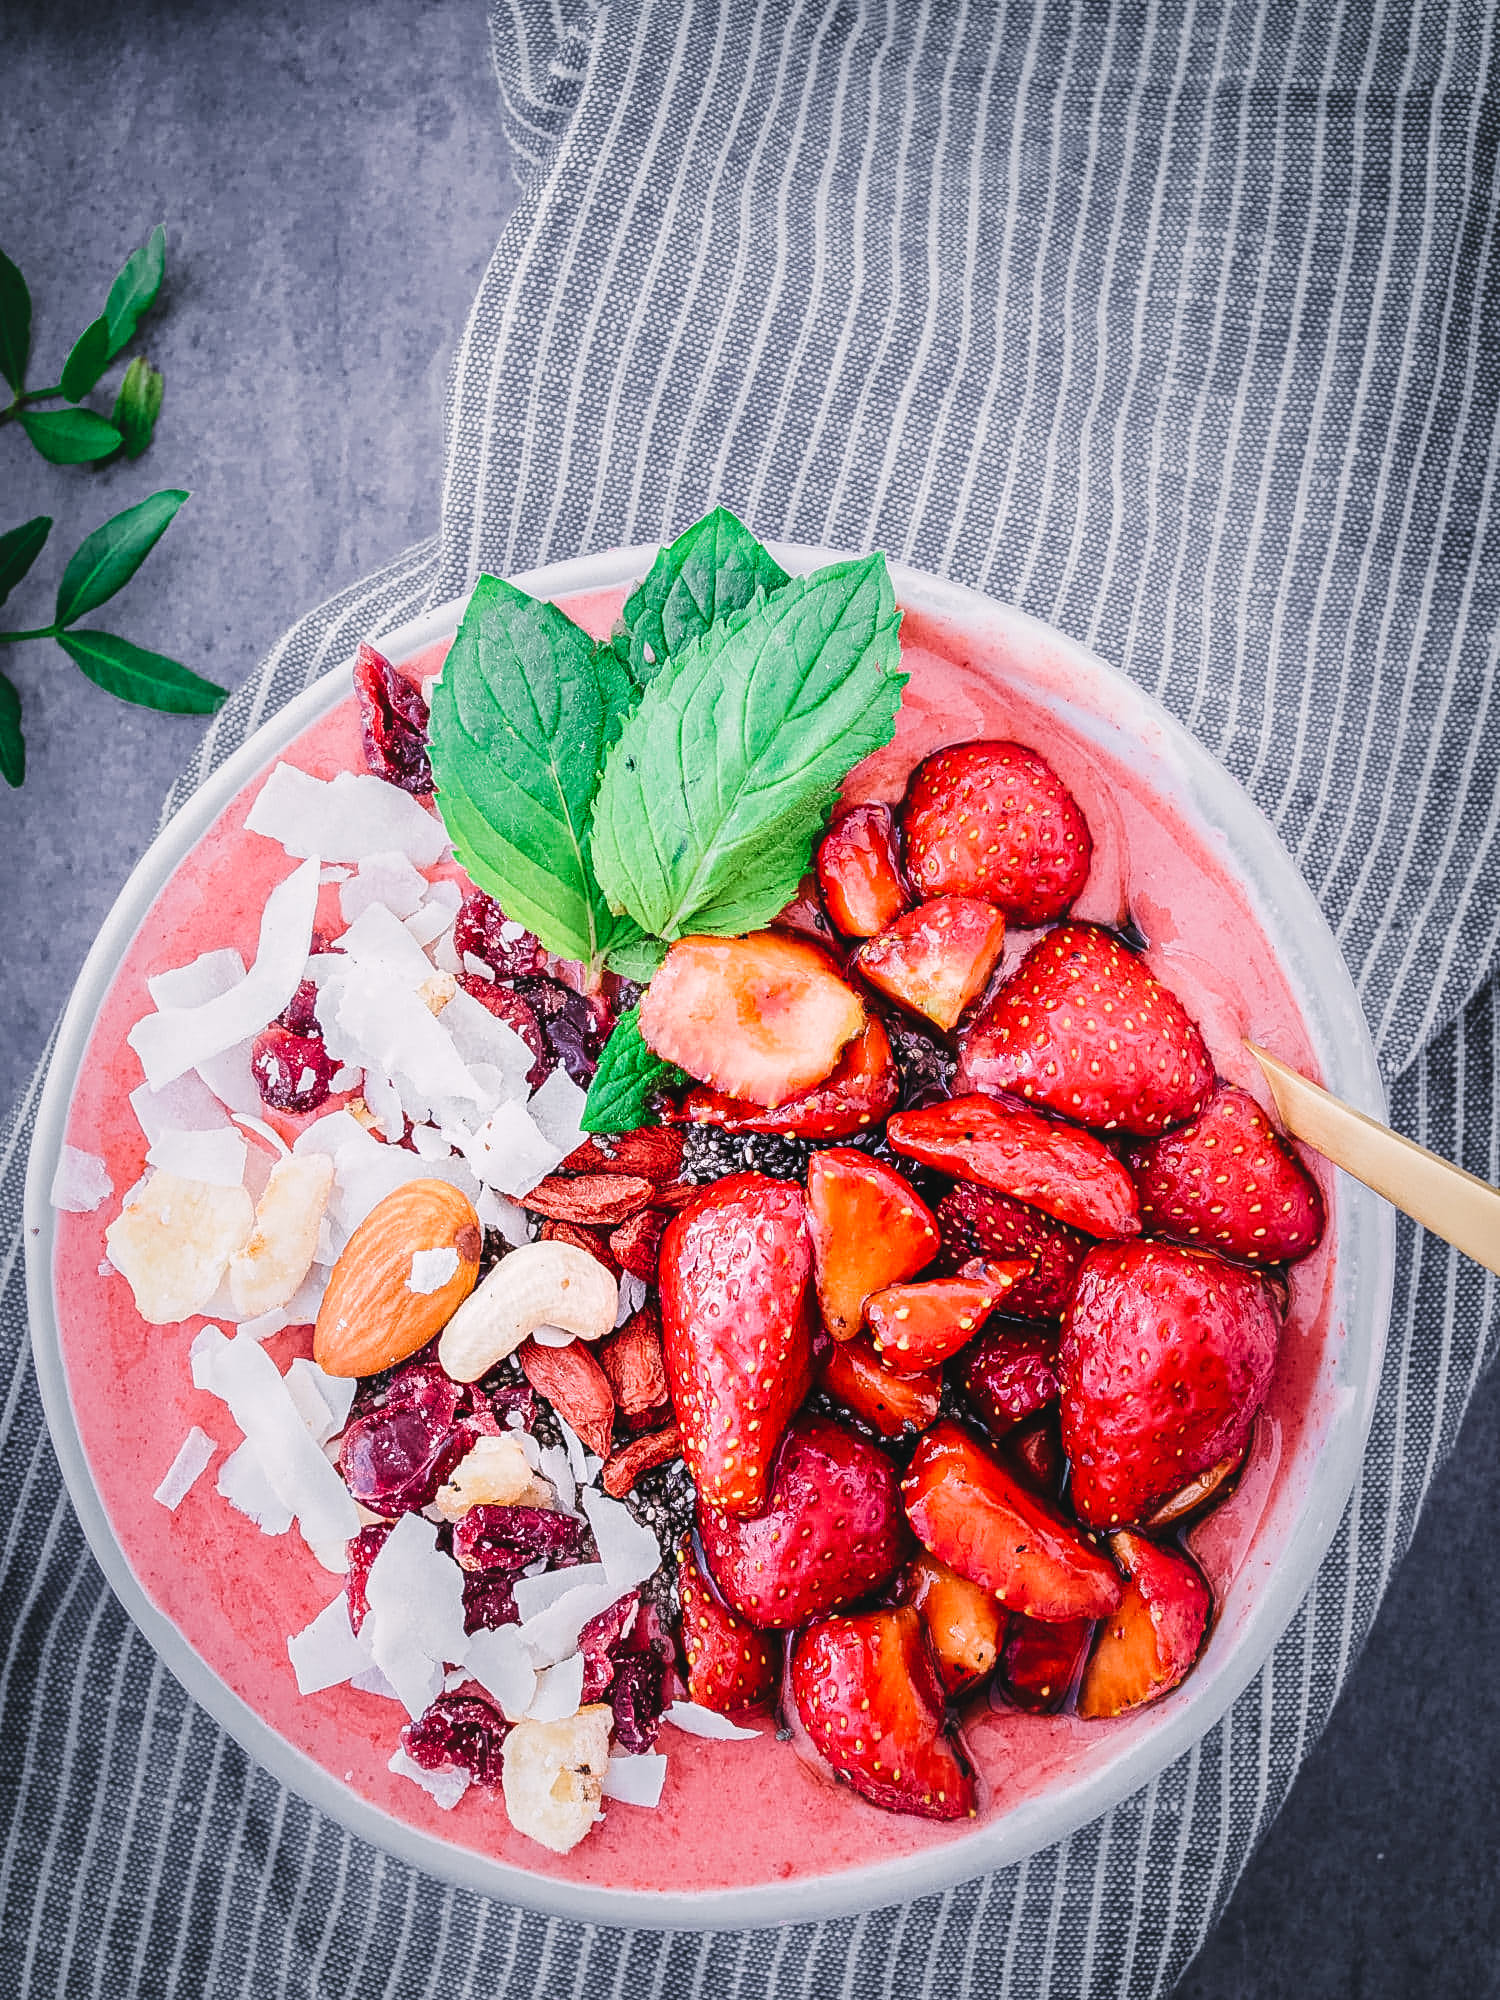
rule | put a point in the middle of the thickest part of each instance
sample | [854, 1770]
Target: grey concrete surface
[332, 180]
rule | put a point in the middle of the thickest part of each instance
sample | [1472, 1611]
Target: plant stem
[14, 408]
[41, 632]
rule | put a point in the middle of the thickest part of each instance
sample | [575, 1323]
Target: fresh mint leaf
[106, 560]
[87, 362]
[12, 742]
[715, 567]
[150, 680]
[70, 437]
[138, 405]
[721, 778]
[521, 718]
[627, 1078]
[134, 290]
[639, 960]
[19, 549]
[15, 324]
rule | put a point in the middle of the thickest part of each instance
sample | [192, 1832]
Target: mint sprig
[713, 568]
[628, 1077]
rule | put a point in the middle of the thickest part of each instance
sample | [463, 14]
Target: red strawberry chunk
[831, 1532]
[1150, 1642]
[736, 1316]
[1082, 1028]
[870, 1699]
[969, 1508]
[862, 1088]
[731, 1666]
[1040, 1663]
[964, 1623]
[1056, 1168]
[995, 820]
[1008, 1375]
[869, 1229]
[920, 1326]
[1229, 1182]
[894, 1405]
[938, 958]
[976, 1222]
[764, 1017]
[805, 914]
[1167, 1354]
[859, 871]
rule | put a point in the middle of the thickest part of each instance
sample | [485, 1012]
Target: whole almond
[371, 1317]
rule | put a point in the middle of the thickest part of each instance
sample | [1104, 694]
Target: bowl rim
[1363, 1287]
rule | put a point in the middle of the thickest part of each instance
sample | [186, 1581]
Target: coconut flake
[203, 978]
[447, 1784]
[215, 1157]
[427, 924]
[370, 1680]
[244, 1484]
[552, 1336]
[627, 1548]
[415, 1595]
[512, 1221]
[557, 1112]
[81, 1182]
[555, 1468]
[328, 1651]
[508, 1152]
[387, 878]
[345, 820]
[323, 1401]
[186, 1104]
[498, 1660]
[636, 1781]
[634, 1292]
[559, 1690]
[266, 1324]
[536, 1594]
[695, 1721]
[177, 1039]
[186, 1469]
[371, 1016]
[479, 1037]
[301, 1308]
[431, 1270]
[430, 1143]
[551, 1634]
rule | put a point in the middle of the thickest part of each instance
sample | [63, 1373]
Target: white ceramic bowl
[1297, 1514]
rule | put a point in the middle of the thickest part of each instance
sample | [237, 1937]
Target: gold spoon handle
[1453, 1204]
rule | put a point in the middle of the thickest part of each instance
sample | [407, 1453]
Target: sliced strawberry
[763, 1017]
[1229, 1182]
[831, 1532]
[995, 820]
[731, 1667]
[863, 1087]
[1008, 1375]
[1208, 1488]
[1066, 1173]
[736, 1315]
[654, 1152]
[869, 1229]
[1040, 1664]
[1151, 1641]
[894, 1405]
[920, 1326]
[859, 871]
[636, 1244]
[1166, 1355]
[969, 1508]
[870, 1699]
[964, 1623]
[938, 958]
[1082, 1028]
[976, 1222]
[1035, 1450]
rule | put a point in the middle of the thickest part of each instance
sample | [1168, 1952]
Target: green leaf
[714, 568]
[19, 549]
[106, 560]
[520, 721]
[12, 742]
[70, 437]
[138, 405]
[87, 362]
[150, 680]
[711, 799]
[628, 1076]
[639, 960]
[135, 290]
[15, 324]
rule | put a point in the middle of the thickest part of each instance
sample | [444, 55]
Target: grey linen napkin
[1163, 321]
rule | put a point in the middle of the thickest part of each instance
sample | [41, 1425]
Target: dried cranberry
[428, 1387]
[507, 1005]
[508, 1538]
[361, 1552]
[489, 1600]
[461, 1729]
[393, 723]
[598, 1640]
[292, 1072]
[510, 1397]
[575, 1028]
[396, 1459]
[926, 1068]
[482, 930]
[636, 1698]
[300, 1012]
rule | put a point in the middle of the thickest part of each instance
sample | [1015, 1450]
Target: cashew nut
[541, 1284]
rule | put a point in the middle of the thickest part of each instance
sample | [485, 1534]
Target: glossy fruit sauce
[737, 1814]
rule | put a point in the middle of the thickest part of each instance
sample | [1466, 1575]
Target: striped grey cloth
[1165, 321]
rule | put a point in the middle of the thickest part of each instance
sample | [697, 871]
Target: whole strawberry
[731, 1666]
[1166, 1356]
[977, 1222]
[736, 1321]
[869, 1697]
[1083, 1028]
[1230, 1182]
[994, 820]
[832, 1531]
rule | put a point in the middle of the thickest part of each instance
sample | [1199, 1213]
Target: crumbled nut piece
[494, 1474]
[173, 1243]
[277, 1254]
[553, 1776]
[436, 992]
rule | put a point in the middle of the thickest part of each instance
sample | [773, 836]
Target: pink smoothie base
[733, 1815]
